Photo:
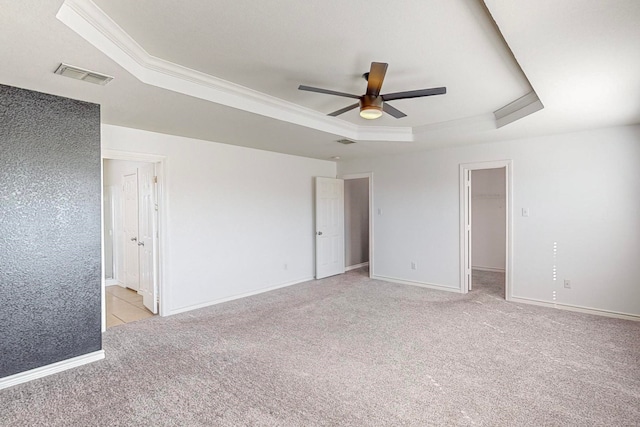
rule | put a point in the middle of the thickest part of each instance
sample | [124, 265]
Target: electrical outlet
[567, 284]
[414, 266]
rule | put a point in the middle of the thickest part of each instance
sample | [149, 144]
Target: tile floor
[124, 306]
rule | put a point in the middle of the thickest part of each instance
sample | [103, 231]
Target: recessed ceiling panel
[273, 47]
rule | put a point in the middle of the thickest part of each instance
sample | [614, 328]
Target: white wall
[583, 192]
[235, 216]
[488, 219]
[356, 221]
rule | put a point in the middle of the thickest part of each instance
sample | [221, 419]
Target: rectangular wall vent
[346, 141]
[82, 74]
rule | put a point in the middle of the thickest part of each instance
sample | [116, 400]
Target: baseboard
[419, 284]
[51, 369]
[234, 297]
[111, 282]
[356, 266]
[495, 270]
[576, 308]
[116, 283]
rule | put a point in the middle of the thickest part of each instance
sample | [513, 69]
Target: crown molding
[521, 107]
[91, 23]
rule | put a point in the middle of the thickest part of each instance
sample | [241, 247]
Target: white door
[329, 227]
[131, 266]
[148, 242]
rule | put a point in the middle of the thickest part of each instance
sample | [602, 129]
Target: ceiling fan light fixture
[370, 107]
[371, 112]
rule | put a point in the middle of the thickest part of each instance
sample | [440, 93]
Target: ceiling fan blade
[376, 77]
[344, 110]
[393, 111]
[414, 93]
[328, 92]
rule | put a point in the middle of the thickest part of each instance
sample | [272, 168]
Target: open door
[130, 224]
[467, 236]
[329, 227]
[148, 241]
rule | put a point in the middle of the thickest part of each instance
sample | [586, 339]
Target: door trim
[465, 244]
[370, 176]
[163, 203]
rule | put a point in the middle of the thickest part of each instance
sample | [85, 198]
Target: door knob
[319, 233]
[133, 239]
[140, 243]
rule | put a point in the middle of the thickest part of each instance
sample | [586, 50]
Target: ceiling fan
[372, 104]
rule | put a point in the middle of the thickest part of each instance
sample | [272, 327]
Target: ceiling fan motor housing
[371, 105]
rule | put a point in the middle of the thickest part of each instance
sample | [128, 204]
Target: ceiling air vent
[346, 141]
[82, 74]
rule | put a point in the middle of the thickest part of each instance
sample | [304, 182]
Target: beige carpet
[350, 351]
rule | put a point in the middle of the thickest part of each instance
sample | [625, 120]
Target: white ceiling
[581, 57]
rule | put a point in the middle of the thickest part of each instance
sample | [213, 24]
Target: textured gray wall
[50, 296]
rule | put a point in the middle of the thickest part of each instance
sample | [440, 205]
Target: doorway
[344, 224]
[132, 237]
[488, 219]
[130, 293]
[358, 202]
[485, 227]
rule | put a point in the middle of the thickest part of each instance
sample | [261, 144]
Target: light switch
[525, 212]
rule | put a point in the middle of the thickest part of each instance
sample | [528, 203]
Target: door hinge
[155, 179]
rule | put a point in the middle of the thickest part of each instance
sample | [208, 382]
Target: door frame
[162, 199]
[368, 175]
[465, 213]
